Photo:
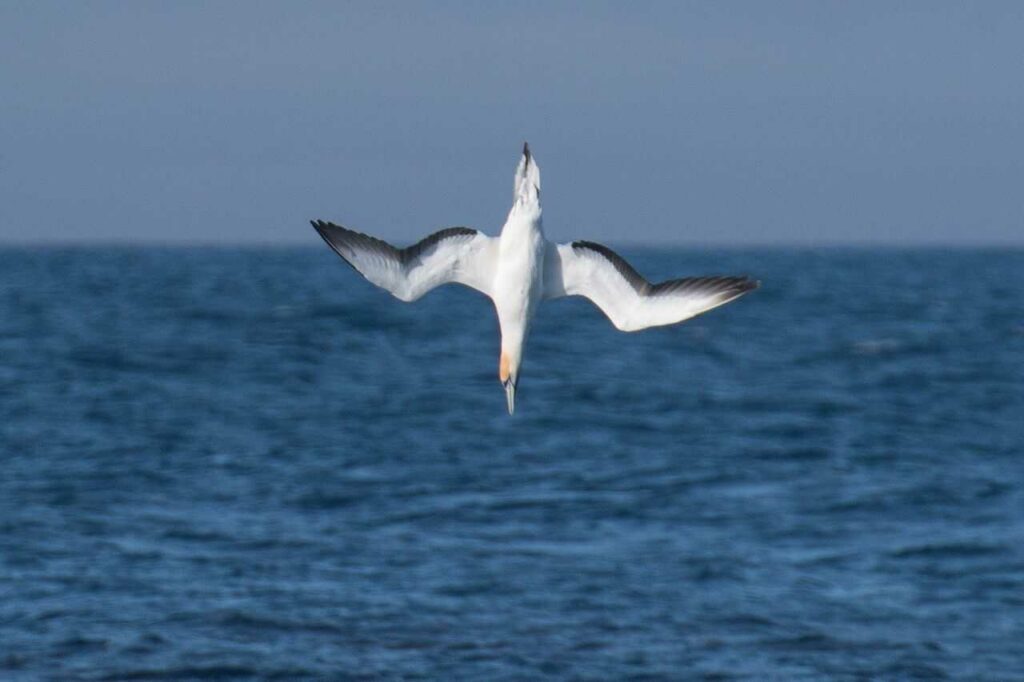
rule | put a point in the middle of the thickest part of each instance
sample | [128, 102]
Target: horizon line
[626, 244]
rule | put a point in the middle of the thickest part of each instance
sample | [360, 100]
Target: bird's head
[508, 373]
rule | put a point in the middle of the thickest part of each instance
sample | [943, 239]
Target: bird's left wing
[456, 254]
[630, 301]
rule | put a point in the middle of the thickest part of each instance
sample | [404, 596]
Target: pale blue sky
[691, 123]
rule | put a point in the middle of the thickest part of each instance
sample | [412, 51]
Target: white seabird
[520, 268]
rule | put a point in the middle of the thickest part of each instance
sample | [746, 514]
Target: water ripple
[249, 464]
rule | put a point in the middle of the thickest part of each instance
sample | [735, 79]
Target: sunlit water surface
[250, 464]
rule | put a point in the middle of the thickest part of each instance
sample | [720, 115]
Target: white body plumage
[520, 268]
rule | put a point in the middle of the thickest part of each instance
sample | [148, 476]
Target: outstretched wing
[630, 301]
[457, 254]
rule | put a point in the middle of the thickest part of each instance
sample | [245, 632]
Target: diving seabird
[520, 268]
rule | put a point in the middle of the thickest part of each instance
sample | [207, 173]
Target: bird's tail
[527, 183]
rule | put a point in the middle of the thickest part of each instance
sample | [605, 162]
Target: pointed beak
[510, 394]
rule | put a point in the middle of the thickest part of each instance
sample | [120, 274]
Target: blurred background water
[251, 464]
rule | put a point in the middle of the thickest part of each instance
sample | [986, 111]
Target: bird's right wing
[456, 254]
[630, 301]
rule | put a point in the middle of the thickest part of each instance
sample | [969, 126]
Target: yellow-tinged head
[503, 370]
[508, 373]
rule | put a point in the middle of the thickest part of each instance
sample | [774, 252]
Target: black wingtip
[743, 283]
[526, 151]
[321, 229]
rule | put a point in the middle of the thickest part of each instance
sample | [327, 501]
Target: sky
[712, 123]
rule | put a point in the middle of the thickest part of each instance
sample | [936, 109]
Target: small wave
[210, 672]
[192, 535]
[317, 500]
[949, 550]
[883, 346]
[77, 644]
[915, 670]
[747, 620]
[798, 454]
[809, 641]
[242, 620]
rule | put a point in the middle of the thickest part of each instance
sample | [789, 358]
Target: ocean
[251, 464]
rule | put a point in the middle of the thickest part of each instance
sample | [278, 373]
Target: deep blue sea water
[251, 464]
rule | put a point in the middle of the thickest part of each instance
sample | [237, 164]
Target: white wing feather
[630, 301]
[457, 254]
